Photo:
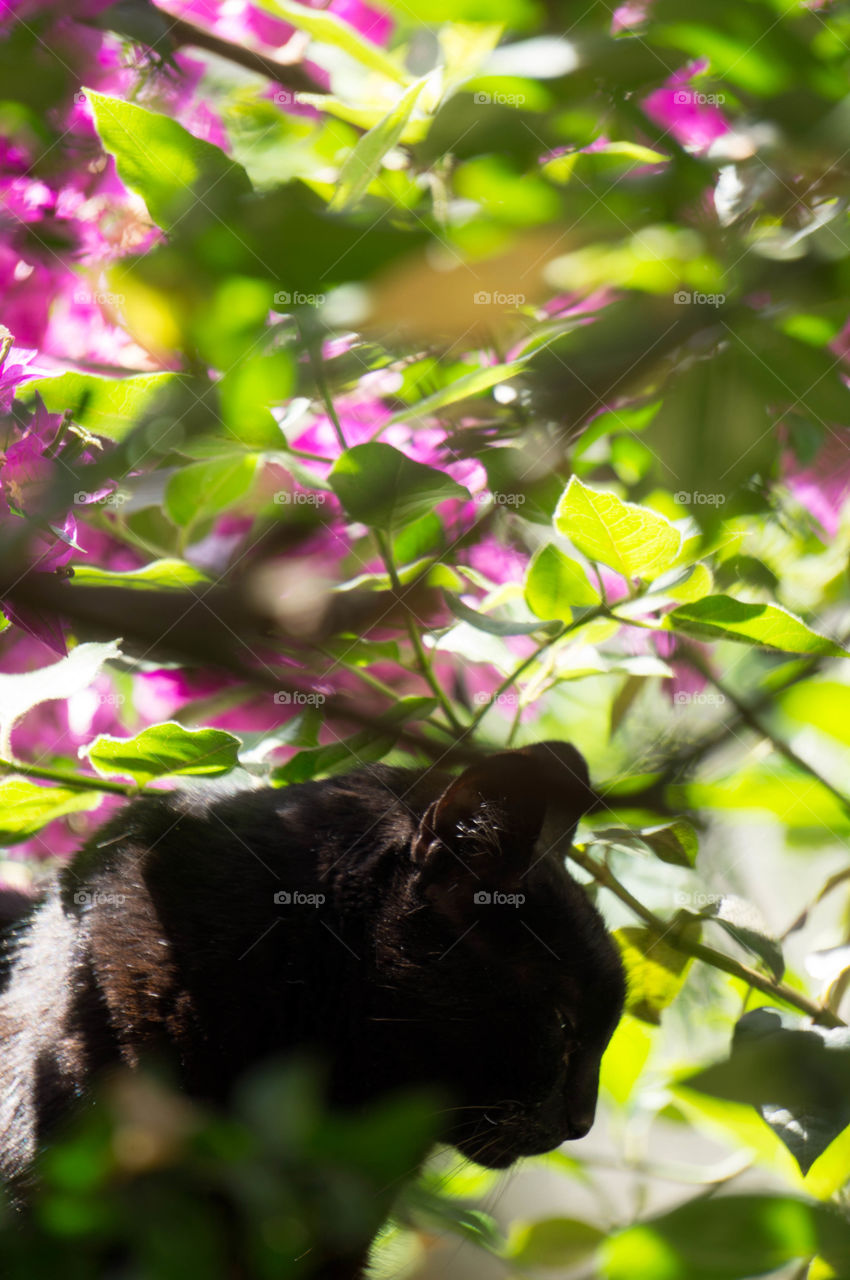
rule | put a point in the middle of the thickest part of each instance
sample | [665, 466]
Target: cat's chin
[495, 1152]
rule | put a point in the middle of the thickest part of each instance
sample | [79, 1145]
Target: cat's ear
[503, 801]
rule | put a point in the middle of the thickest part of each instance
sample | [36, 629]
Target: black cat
[410, 928]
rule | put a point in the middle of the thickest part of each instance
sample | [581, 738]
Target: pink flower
[497, 561]
[823, 487]
[372, 23]
[628, 15]
[691, 117]
[159, 695]
[14, 369]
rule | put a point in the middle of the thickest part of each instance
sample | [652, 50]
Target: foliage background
[393, 384]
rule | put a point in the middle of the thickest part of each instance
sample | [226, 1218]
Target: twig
[671, 933]
[290, 75]
[415, 639]
[77, 781]
[749, 718]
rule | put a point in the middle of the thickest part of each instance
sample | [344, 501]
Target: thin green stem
[422, 660]
[753, 722]
[78, 781]
[672, 934]
[314, 351]
[380, 687]
[532, 657]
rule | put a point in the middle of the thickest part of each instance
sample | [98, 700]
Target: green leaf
[636, 542]
[25, 807]
[734, 917]
[162, 162]
[410, 708]
[554, 584]
[683, 586]
[165, 749]
[384, 489]
[61, 680]
[109, 407]
[159, 575]
[470, 384]
[363, 165]
[434, 1206]
[674, 842]
[655, 971]
[302, 730]
[495, 626]
[329, 29]
[800, 801]
[362, 748]
[768, 625]
[726, 1238]
[823, 704]
[203, 488]
[551, 1242]
[796, 1075]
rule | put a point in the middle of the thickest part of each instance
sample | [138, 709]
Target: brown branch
[291, 75]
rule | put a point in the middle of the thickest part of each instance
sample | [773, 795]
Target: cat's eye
[568, 1030]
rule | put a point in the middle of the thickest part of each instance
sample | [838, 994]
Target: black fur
[344, 916]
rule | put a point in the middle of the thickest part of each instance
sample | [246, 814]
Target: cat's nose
[579, 1126]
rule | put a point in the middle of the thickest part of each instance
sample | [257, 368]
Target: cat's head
[498, 972]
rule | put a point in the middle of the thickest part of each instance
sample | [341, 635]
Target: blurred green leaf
[554, 584]
[655, 971]
[551, 1242]
[167, 166]
[109, 407]
[203, 488]
[362, 748]
[384, 489]
[824, 704]
[469, 384]
[26, 807]
[159, 575]
[796, 1075]
[329, 29]
[27, 689]
[364, 163]
[726, 1238]
[495, 626]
